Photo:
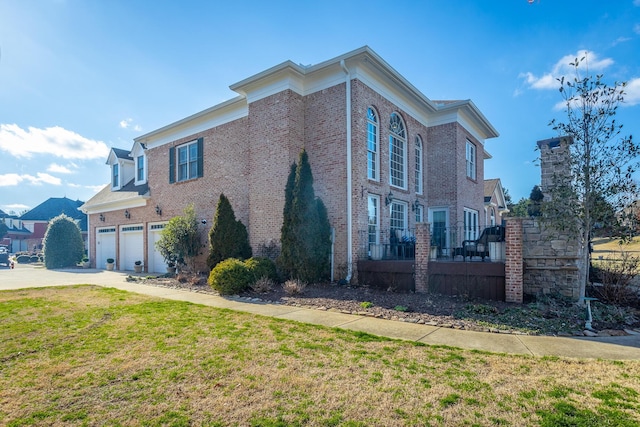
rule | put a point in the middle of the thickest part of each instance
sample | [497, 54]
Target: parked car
[4, 257]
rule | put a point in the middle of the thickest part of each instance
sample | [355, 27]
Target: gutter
[349, 184]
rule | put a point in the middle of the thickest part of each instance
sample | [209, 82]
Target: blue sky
[80, 76]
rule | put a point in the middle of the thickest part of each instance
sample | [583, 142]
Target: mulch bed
[548, 316]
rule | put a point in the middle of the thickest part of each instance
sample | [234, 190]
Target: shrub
[616, 276]
[35, 258]
[63, 245]
[263, 285]
[261, 267]
[294, 287]
[179, 241]
[230, 276]
[23, 259]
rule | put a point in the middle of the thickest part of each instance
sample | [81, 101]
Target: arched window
[397, 152]
[372, 145]
[418, 165]
[492, 216]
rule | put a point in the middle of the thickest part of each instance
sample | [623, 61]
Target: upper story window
[397, 152]
[186, 161]
[471, 160]
[115, 175]
[372, 144]
[419, 168]
[140, 168]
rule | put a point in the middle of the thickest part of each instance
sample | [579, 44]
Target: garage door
[156, 262]
[105, 246]
[131, 246]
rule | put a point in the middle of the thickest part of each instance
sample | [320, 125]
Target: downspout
[349, 185]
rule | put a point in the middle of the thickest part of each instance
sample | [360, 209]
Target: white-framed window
[418, 152]
[492, 216]
[397, 152]
[419, 213]
[372, 145]
[398, 217]
[140, 172]
[374, 219]
[186, 161]
[471, 224]
[115, 175]
[471, 160]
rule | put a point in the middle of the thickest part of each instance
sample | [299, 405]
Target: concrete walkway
[616, 348]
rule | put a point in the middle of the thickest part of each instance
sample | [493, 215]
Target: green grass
[96, 356]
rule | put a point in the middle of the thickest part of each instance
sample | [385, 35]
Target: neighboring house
[383, 156]
[17, 235]
[495, 205]
[37, 220]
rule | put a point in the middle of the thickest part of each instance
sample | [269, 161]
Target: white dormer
[140, 163]
[122, 168]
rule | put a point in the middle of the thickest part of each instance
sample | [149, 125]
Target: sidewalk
[615, 348]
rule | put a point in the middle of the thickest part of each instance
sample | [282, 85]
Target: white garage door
[156, 262]
[105, 246]
[131, 246]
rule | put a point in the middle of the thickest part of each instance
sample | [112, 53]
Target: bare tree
[601, 164]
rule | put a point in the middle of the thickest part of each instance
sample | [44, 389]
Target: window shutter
[200, 158]
[172, 165]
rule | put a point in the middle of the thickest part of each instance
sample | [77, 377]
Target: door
[439, 219]
[105, 246]
[131, 246]
[156, 262]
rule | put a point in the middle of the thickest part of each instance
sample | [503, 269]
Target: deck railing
[446, 244]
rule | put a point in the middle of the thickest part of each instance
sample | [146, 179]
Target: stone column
[421, 266]
[514, 268]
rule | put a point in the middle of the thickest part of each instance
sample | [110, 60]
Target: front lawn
[96, 356]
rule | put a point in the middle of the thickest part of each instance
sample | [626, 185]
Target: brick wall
[423, 247]
[513, 269]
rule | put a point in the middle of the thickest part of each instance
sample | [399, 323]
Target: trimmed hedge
[230, 276]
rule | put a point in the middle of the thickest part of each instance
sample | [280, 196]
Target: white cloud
[636, 28]
[56, 168]
[14, 207]
[13, 179]
[632, 95]
[126, 124]
[53, 140]
[621, 40]
[563, 69]
[636, 2]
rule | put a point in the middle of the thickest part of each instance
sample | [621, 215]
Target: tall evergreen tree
[228, 237]
[285, 260]
[535, 201]
[308, 231]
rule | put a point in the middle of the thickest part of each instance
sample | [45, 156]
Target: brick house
[383, 156]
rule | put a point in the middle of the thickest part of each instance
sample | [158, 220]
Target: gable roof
[55, 206]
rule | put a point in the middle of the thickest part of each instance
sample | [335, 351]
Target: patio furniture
[480, 246]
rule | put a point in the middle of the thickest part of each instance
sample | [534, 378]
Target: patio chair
[480, 246]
